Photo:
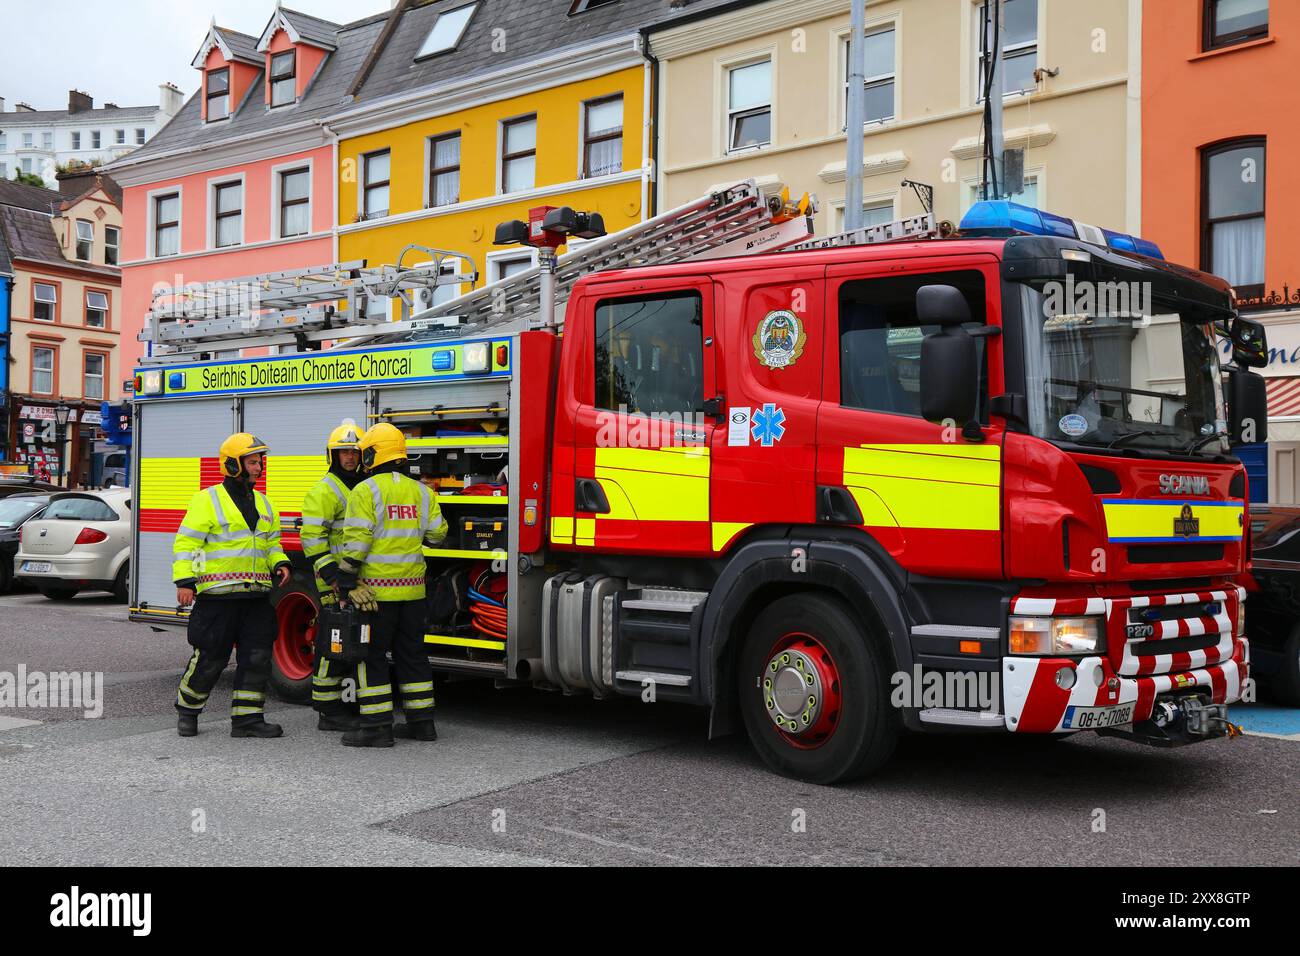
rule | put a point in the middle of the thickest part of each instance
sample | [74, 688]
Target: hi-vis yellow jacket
[390, 518]
[323, 512]
[216, 548]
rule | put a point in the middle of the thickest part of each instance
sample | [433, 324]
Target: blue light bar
[998, 217]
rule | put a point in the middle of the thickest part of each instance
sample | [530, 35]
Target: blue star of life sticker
[767, 428]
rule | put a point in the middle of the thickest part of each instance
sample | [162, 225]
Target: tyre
[122, 584]
[1286, 684]
[6, 574]
[296, 608]
[58, 594]
[814, 692]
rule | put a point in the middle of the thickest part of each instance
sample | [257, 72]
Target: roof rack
[913, 227]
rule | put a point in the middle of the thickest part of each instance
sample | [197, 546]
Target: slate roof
[101, 114]
[314, 30]
[6, 266]
[37, 198]
[242, 46]
[30, 235]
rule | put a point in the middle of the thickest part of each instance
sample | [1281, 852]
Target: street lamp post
[61, 413]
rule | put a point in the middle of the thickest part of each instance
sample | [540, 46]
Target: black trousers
[397, 626]
[327, 686]
[216, 626]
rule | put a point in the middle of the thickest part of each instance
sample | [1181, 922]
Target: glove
[329, 573]
[363, 599]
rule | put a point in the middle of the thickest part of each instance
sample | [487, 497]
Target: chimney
[110, 106]
[79, 102]
[23, 108]
[2, 104]
[170, 98]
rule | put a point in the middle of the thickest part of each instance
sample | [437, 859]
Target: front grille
[1174, 645]
[1173, 612]
[1173, 553]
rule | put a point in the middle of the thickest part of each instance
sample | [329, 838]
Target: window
[76, 139]
[375, 189]
[1234, 21]
[94, 139]
[45, 302]
[1019, 46]
[974, 193]
[119, 137]
[518, 154]
[97, 310]
[879, 71]
[447, 30]
[880, 340]
[47, 141]
[582, 6]
[4, 143]
[29, 140]
[112, 237]
[650, 354]
[4, 169]
[139, 137]
[283, 83]
[602, 131]
[218, 94]
[295, 202]
[504, 266]
[749, 105]
[42, 371]
[228, 214]
[873, 213]
[79, 509]
[167, 224]
[27, 164]
[85, 239]
[1232, 214]
[92, 381]
[444, 170]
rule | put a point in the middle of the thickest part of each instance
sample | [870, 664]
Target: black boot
[187, 725]
[256, 728]
[416, 730]
[381, 736]
[337, 722]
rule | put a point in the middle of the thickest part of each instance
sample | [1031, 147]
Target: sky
[121, 50]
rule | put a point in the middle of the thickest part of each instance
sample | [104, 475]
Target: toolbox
[482, 534]
[342, 634]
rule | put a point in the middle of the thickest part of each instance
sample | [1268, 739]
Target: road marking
[13, 723]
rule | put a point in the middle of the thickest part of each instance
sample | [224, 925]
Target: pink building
[241, 181]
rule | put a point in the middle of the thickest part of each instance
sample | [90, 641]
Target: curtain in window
[1238, 251]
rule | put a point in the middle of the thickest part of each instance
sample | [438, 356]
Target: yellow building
[447, 138]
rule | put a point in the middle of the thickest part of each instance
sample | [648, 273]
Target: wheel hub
[793, 691]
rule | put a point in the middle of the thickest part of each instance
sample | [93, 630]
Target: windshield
[1106, 368]
[13, 511]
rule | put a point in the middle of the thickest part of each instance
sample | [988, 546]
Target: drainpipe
[650, 145]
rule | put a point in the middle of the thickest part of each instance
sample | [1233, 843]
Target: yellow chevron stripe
[168, 482]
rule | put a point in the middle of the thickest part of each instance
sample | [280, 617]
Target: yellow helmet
[345, 436]
[234, 449]
[381, 444]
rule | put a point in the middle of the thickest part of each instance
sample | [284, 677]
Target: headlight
[1050, 636]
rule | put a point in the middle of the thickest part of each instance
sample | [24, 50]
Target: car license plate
[1094, 718]
[37, 567]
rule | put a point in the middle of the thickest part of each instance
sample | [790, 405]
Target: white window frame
[423, 54]
[211, 215]
[582, 131]
[270, 83]
[119, 137]
[428, 167]
[85, 319]
[96, 139]
[86, 376]
[508, 255]
[151, 212]
[54, 358]
[970, 186]
[27, 165]
[275, 196]
[52, 303]
[141, 135]
[725, 66]
[29, 140]
[115, 245]
[47, 140]
[76, 249]
[841, 60]
[4, 170]
[501, 150]
[891, 198]
[76, 140]
[972, 47]
[361, 183]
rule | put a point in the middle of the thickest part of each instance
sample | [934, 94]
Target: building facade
[760, 91]
[1217, 95]
[41, 142]
[65, 311]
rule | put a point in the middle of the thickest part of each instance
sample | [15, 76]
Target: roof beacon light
[1001, 218]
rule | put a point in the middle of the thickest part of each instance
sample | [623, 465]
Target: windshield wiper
[1115, 442]
[1196, 443]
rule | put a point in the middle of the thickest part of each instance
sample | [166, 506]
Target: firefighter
[390, 518]
[226, 554]
[323, 513]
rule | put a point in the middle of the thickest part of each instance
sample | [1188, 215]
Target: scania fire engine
[713, 460]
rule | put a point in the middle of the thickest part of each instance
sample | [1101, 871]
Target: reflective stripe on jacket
[216, 548]
[389, 520]
[323, 511]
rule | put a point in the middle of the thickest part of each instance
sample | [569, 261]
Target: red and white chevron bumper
[1185, 649]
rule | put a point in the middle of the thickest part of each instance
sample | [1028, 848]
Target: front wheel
[292, 656]
[814, 692]
[59, 594]
[122, 584]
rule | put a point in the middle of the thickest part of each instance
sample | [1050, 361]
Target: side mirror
[1249, 343]
[949, 375]
[941, 305]
[1247, 407]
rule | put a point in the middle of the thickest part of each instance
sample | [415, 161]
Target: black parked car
[1273, 612]
[15, 511]
[24, 484]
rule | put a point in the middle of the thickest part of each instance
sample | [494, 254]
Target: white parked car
[82, 542]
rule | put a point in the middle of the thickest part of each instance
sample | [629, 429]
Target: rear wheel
[814, 692]
[292, 656]
[58, 594]
[121, 583]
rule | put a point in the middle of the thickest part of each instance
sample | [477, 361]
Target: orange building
[1220, 160]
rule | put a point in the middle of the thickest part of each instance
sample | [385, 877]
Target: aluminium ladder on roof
[734, 220]
[912, 227]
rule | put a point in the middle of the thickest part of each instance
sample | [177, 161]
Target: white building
[39, 141]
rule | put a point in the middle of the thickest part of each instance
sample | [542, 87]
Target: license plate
[1093, 718]
[38, 567]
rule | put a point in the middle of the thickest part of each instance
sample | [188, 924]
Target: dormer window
[447, 30]
[284, 78]
[218, 94]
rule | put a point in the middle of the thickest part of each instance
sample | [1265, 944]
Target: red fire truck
[909, 479]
